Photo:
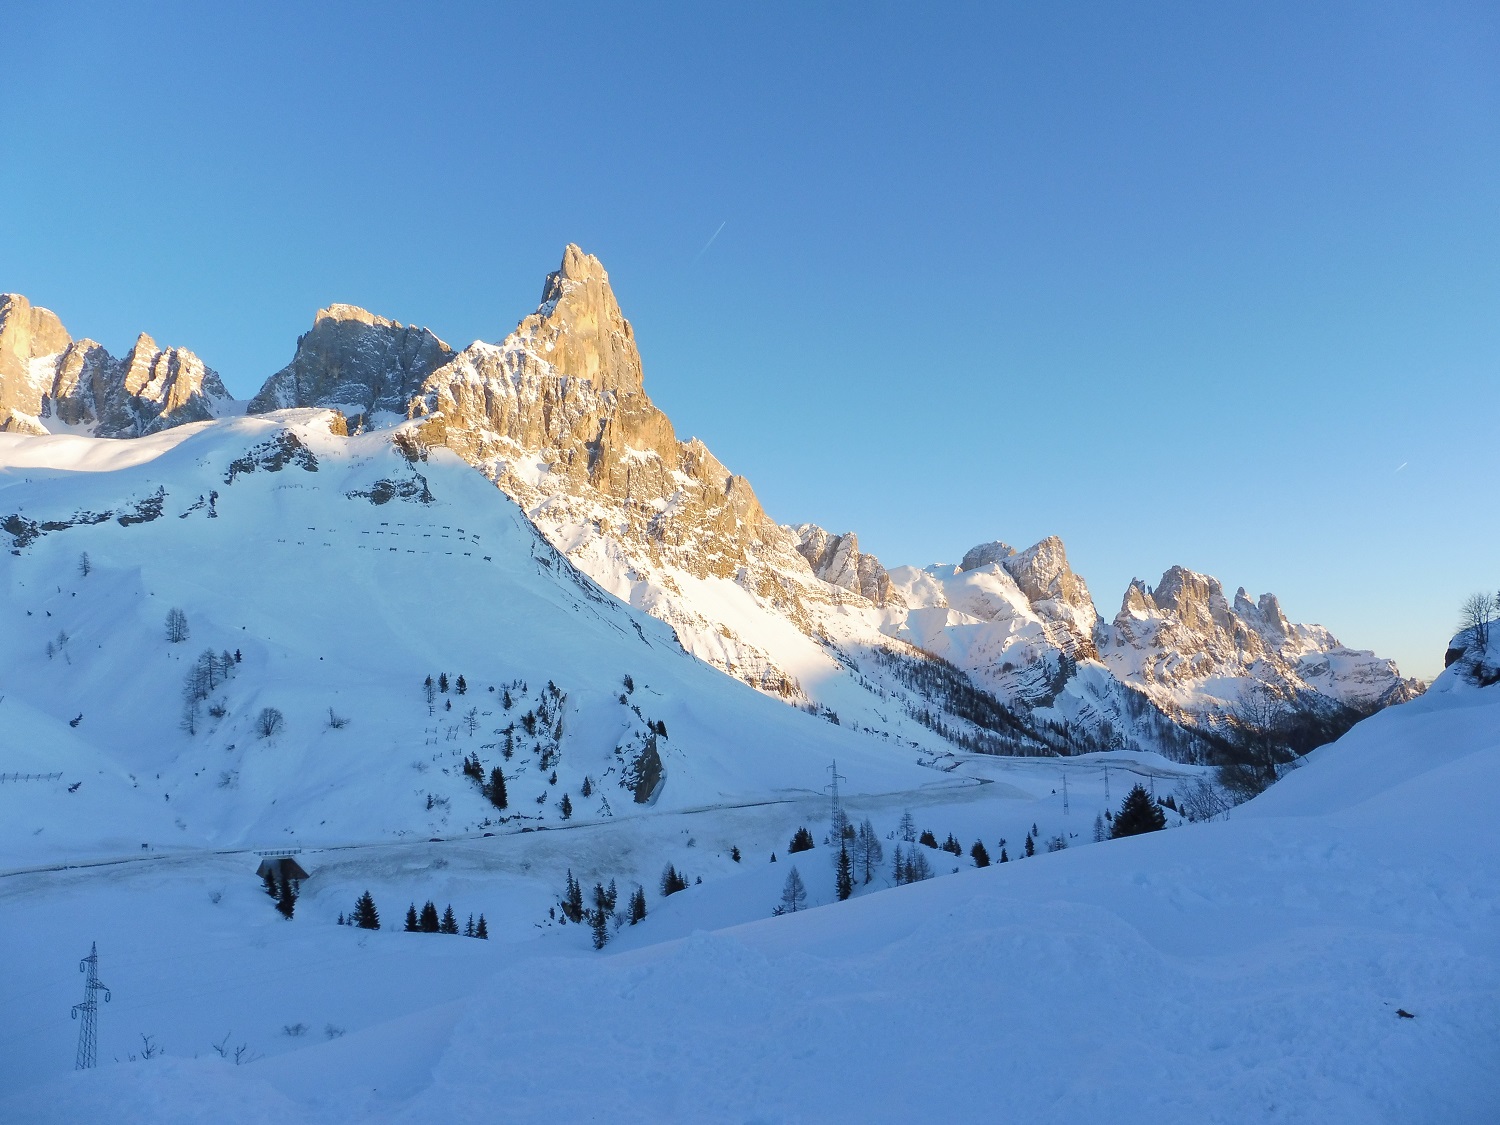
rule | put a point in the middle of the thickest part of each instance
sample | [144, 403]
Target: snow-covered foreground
[1248, 970]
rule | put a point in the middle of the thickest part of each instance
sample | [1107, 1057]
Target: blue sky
[1204, 284]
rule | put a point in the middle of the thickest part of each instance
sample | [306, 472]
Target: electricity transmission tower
[1065, 794]
[88, 1033]
[836, 810]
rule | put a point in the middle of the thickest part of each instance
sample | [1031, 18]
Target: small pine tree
[340, 922]
[1004, 856]
[461, 687]
[469, 927]
[1030, 846]
[84, 564]
[908, 829]
[844, 881]
[287, 903]
[793, 893]
[496, 791]
[565, 806]
[412, 925]
[587, 788]
[449, 924]
[599, 916]
[672, 882]
[429, 690]
[572, 904]
[802, 840]
[1138, 813]
[443, 682]
[482, 931]
[734, 853]
[952, 846]
[366, 917]
[1100, 832]
[638, 905]
[429, 920]
[927, 839]
[272, 887]
[980, 854]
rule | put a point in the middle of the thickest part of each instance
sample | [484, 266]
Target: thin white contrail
[1402, 465]
[710, 242]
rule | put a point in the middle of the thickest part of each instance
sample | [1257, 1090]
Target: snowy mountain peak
[50, 382]
[1184, 641]
[986, 554]
[357, 362]
[837, 559]
[579, 328]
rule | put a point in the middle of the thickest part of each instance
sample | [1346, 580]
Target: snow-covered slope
[326, 577]
[1328, 955]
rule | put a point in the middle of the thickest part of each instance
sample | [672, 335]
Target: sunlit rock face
[50, 382]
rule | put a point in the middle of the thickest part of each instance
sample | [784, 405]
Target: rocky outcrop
[1186, 639]
[837, 560]
[356, 362]
[46, 375]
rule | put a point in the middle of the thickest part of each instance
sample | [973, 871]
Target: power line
[88, 1033]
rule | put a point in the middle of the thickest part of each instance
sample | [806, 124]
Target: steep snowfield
[266, 535]
[1242, 971]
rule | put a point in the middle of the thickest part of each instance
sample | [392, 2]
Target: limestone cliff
[357, 362]
[1186, 639]
[46, 376]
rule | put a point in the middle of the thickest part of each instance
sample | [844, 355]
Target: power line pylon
[88, 1033]
[836, 810]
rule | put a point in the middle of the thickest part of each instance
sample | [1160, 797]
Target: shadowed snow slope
[1242, 971]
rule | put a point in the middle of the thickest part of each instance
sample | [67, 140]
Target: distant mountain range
[1004, 651]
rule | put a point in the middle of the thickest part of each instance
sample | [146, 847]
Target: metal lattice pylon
[836, 810]
[88, 1033]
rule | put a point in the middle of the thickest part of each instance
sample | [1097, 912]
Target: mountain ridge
[557, 416]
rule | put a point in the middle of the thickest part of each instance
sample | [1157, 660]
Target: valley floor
[1246, 970]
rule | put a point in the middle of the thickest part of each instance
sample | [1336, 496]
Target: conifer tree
[734, 853]
[429, 690]
[340, 922]
[449, 924]
[672, 882]
[1138, 813]
[1004, 857]
[482, 931]
[366, 917]
[461, 686]
[1100, 833]
[412, 925]
[1030, 846]
[496, 792]
[429, 920]
[793, 893]
[565, 806]
[287, 903]
[599, 916]
[802, 840]
[272, 887]
[869, 853]
[638, 905]
[469, 927]
[980, 854]
[443, 682]
[572, 904]
[908, 829]
[844, 881]
[927, 839]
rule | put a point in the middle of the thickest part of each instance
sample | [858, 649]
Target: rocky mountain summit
[1184, 637]
[356, 362]
[49, 381]
[1004, 651]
